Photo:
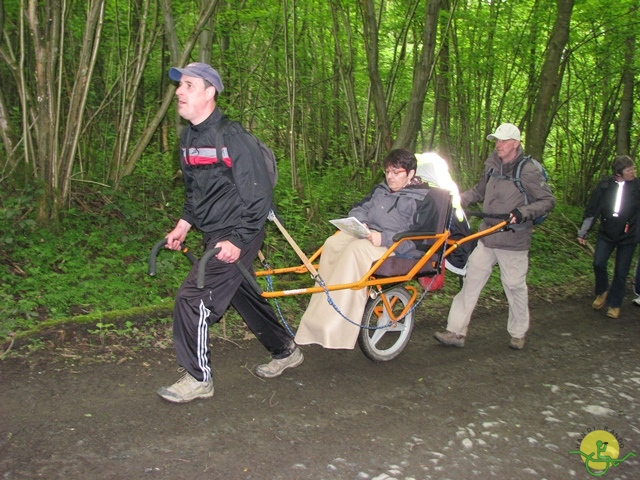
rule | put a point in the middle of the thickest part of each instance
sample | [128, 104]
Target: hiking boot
[449, 338]
[186, 389]
[598, 303]
[278, 365]
[516, 343]
[613, 312]
[636, 301]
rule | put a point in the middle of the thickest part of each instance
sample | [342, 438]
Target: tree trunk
[623, 132]
[46, 40]
[550, 80]
[370, 25]
[443, 92]
[422, 74]
[77, 104]
[344, 61]
[131, 82]
[290, 34]
[8, 140]
[206, 37]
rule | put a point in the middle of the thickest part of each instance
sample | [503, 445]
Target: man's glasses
[394, 173]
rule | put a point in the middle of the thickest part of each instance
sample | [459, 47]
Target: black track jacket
[227, 199]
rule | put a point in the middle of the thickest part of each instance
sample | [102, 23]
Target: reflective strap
[616, 207]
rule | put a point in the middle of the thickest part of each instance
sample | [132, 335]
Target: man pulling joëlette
[228, 200]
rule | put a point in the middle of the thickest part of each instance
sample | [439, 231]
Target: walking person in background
[228, 200]
[616, 202]
[509, 249]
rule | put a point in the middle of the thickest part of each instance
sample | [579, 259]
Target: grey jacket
[501, 195]
[387, 212]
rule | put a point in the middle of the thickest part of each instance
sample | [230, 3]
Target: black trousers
[195, 310]
[624, 257]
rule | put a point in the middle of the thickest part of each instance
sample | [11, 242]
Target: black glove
[517, 214]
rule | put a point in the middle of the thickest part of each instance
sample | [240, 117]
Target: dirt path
[484, 411]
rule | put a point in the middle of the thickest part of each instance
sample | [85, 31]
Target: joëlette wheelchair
[389, 314]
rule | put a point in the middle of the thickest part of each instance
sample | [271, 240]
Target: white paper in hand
[352, 226]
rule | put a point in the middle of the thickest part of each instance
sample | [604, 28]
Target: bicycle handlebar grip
[156, 248]
[154, 253]
[202, 263]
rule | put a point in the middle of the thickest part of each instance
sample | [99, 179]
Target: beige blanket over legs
[344, 259]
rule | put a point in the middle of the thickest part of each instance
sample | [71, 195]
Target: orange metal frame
[369, 279]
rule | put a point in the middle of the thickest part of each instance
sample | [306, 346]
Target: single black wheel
[382, 340]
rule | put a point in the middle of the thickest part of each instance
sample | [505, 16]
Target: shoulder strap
[222, 131]
[223, 125]
[518, 177]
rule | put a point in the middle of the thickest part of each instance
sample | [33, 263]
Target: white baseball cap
[506, 131]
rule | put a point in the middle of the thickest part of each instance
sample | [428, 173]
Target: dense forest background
[88, 122]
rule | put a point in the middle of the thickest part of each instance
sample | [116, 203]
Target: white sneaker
[636, 301]
[276, 366]
[186, 389]
[516, 343]
[450, 339]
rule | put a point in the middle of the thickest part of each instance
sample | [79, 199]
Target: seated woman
[401, 203]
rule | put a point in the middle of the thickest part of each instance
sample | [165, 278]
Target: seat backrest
[396, 265]
[442, 199]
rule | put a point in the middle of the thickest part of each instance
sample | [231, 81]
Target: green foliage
[97, 261]
[105, 329]
[15, 210]
[297, 74]
[555, 258]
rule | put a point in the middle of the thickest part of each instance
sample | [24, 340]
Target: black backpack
[267, 154]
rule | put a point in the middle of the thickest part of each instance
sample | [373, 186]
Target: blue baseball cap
[198, 70]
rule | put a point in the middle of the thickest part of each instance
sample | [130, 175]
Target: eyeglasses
[394, 173]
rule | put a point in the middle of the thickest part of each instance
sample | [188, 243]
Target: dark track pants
[623, 259]
[196, 309]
